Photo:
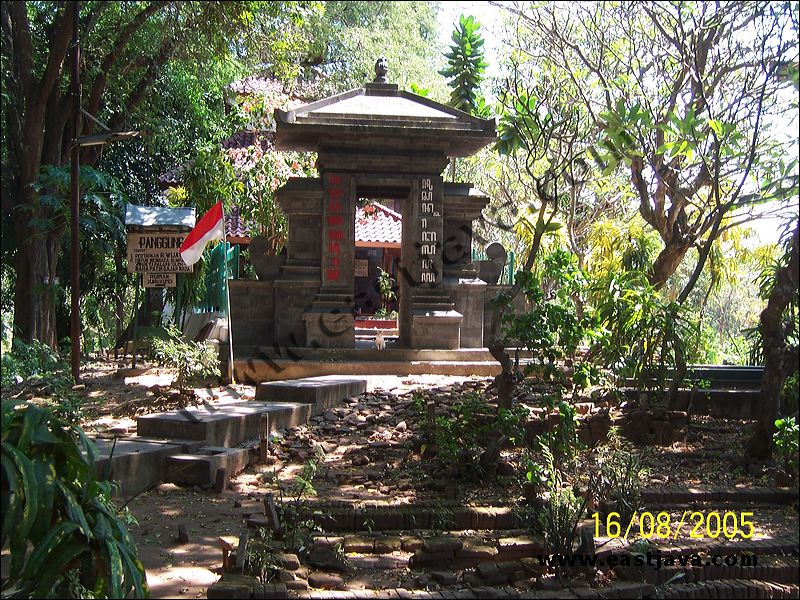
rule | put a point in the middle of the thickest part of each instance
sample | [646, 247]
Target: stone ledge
[200, 467]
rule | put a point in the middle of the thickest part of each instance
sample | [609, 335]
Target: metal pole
[135, 320]
[228, 298]
[178, 300]
[75, 265]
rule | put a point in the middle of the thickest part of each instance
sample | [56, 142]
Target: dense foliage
[67, 538]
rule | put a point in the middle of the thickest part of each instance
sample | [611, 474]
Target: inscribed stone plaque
[428, 244]
[159, 280]
[156, 253]
[338, 245]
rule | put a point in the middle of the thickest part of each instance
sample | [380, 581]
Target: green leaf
[47, 546]
[19, 549]
[552, 226]
[33, 416]
[135, 575]
[29, 488]
[115, 564]
[74, 510]
[46, 476]
[89, 445]
[56, 568]
[11, 503]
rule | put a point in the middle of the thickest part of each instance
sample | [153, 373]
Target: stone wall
[468, 296]
[490, 293]
[252, 313]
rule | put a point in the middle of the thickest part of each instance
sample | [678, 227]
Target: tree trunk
[780, 361]
[34, 291]
[119, 301]
[667, 263]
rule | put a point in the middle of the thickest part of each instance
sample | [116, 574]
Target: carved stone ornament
[381, 69]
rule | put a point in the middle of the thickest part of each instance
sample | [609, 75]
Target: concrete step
[693, 495]
[727, 403]
[363, 333]
[321, 392]
[138, 463]
[223, 425]
[348, 517]
[760, 545]
[200, 466]
[773, 568]
[731, 588]
[728, 384]
[237, 587]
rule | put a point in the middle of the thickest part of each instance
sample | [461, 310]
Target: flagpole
[227, 296]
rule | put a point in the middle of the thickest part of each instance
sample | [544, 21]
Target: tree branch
[99, 84]
[58, 52]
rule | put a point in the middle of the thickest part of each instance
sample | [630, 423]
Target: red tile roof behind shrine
[378, 224]
[234, 225]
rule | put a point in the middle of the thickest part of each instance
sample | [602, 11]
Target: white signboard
[156, 253]
[159, 280]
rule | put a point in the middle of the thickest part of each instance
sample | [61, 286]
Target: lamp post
[75, 192]
[75, 259]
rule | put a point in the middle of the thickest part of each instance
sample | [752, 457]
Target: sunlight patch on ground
[190, 582]
[160, 379]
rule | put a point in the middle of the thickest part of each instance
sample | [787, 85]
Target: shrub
[787, 440]
[552, 327]
[561, 516]
[620, 468]
[30, 360]
[638, 333]
[260, 559]
[790, 395]
[462, 437]
[65, 535]
[193, 361]
[386, 288]
[44, 371]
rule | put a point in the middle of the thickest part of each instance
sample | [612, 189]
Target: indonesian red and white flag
[210, 227]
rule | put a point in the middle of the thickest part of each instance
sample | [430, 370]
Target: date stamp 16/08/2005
[698, 525]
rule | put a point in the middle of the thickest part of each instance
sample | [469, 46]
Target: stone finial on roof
[381, 69]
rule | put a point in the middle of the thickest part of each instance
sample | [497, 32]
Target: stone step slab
[137, 463]
[345, 517]
[257, 370]
[321, 392]
[225, 425]
[200, 467]
[243, 587]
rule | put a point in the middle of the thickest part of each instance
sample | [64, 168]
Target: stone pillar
[463, 205]
[330, 322]
[429, 319]
[299, 281]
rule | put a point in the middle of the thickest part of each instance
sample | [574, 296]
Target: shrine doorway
[378, 240]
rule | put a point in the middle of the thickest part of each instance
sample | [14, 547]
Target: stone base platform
[257, 365]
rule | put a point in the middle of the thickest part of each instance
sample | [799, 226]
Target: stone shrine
[382, 144]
